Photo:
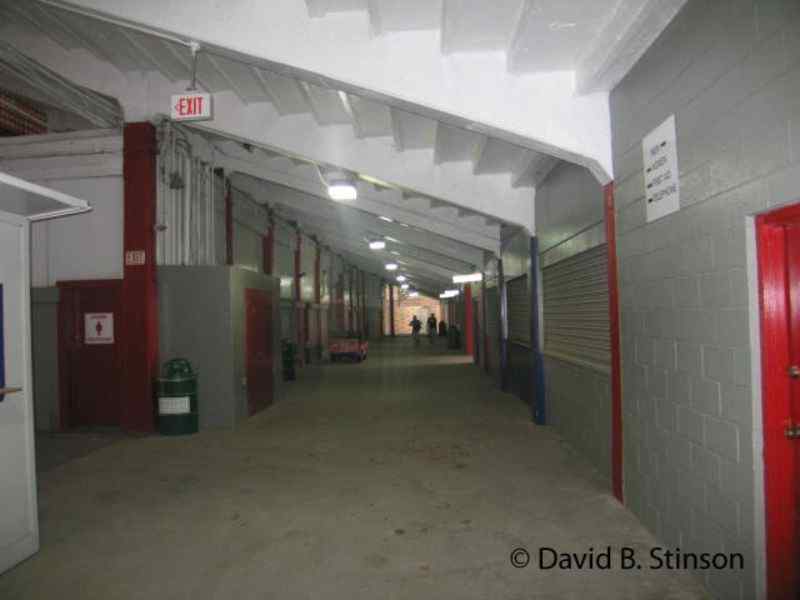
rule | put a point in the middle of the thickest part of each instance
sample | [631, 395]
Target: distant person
[442, 329]
[431, 327]
[416, 326]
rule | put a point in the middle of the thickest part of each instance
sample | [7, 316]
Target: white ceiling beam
[151, 58]
[424, 245]
[634, 27]
[376, 204]
[539, 111]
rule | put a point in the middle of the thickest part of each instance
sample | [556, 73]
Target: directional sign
[99, 328]
[191, 106]
[661, 176]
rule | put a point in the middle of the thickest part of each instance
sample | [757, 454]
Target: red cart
[352, 348]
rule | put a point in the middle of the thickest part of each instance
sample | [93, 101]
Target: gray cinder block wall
[730, 72]
[578, 397]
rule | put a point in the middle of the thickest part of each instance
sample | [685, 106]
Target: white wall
[85, 246]
[85, 164]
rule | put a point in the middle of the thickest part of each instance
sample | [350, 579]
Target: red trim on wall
[777, 264]
[613, 320]
[228, 223]
[469, 321]
[139, 324]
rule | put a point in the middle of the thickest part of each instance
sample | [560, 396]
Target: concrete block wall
[730, 72]
[569, 202]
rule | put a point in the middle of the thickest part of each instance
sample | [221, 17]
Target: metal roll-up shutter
[575, 309]
[519, 311]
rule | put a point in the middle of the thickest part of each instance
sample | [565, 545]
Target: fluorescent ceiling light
[391, 266]
[401, 278]
[469, 278]
[405, 286]
[395, 252]
[377, 245]
[342, 190]
[387, 219]
[391, 239]
[413, 294]
[449, 294]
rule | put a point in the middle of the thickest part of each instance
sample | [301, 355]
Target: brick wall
[730, 72]
[406, 308]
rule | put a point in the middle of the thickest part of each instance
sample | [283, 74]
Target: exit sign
[191, 107]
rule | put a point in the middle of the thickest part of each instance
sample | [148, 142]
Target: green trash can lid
[177, 369]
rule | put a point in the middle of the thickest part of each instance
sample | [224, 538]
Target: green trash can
[177, 398]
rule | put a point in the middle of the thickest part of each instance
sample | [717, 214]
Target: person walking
[416, 326]
[431, 328]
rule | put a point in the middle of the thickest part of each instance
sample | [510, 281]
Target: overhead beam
[348, 223]
[622, 42]
[538, 111]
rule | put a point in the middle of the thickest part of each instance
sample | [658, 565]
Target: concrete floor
[407, 476]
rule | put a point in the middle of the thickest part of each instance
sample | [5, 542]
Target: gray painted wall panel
[44, 349]
[730, 72]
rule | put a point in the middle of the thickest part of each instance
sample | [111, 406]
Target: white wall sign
[135, 258]
[661, 177]
[191, 106]
[99, 328]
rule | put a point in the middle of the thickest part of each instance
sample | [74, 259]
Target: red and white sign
[99, 328]
[135, 258]
[191, 106]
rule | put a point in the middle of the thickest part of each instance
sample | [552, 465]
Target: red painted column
[139, 323]
[391, 310]
[268, 249]
[228, 223]
[469, 333]
[616, 367]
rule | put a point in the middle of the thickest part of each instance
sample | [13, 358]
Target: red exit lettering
[190, 106]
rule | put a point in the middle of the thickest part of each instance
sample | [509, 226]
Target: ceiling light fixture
[342, 191]
[387, 219]
[341, 184]
[449, 294]
[405, 286]
[377, 245]
[401, 278]
[469, 278]
[391, 266]
[413, 294]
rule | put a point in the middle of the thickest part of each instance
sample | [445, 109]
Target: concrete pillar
[228, 223]
[469, 322]
[268, 249]
[391, 310]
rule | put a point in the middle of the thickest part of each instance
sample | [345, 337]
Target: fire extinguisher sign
[99, 328]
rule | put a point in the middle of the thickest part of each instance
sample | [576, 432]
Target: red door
[258, 349]
[90, 370]
[779, 282]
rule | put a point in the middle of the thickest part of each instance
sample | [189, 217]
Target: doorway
[258, 349]
[90, 369]
[778, 241]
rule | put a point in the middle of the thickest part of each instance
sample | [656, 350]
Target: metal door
[778, 236]
[258, 349]
[19, 528]
[90, 369]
